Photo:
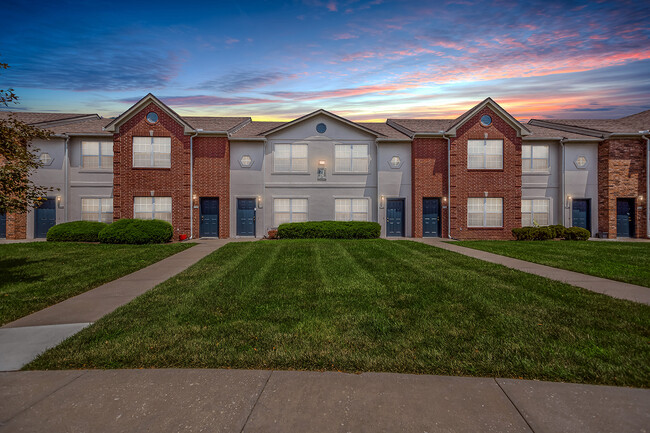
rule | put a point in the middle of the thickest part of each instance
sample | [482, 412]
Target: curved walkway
[616, 289]
[24, 339]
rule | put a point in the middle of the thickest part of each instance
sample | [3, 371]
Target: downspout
[448, 185]
[192, 184]
[647, 186]
[562, 177]
[66, 177]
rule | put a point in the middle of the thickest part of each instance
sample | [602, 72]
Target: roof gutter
[66, 177]
[562, 182]
[448, 185]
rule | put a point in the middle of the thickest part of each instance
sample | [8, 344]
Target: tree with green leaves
[18, 160]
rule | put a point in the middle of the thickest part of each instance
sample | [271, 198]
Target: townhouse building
[473, 177]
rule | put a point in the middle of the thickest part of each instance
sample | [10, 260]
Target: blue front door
[45, 217]
[581, 213]
[625, 217]
[430, 217]
[245, 217]
[209, 226]
[3, 225]
[395, 217]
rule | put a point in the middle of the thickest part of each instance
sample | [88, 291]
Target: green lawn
[36, 275]
[622, 261]
[373, 305]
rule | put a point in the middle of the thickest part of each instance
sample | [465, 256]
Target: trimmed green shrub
[329, 230]
[558, 231]
[533, 233]
[576, 234]
[76, 231]
[135, 231]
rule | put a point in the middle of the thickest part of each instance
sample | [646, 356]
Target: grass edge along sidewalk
[628, 262]
[37, 275]
[374, 305]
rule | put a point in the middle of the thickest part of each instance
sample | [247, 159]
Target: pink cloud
[332, 6]
[343, 36]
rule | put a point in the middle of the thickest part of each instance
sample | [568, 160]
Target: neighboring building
[474, 177]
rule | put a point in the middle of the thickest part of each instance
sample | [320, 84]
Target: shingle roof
[256, 129]
[384, 129]
[541, 132]
[32, 118]
[423, 125]
[628, 124]
[215, 123]
[89, 126]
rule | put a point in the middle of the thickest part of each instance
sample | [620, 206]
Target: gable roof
[326, 113]
[45, 118]
[149, 98]
[632, 124]
[522, 130]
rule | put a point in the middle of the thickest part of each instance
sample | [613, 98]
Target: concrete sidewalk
[24, 339]
[291, 401]
[612, 288]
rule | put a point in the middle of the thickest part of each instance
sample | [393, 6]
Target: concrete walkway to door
[24, 339]
[616, 289]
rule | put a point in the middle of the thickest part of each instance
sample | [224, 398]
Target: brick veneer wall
[174, 182]
[16, 227]
[621, 174]
[505, 183]
[429, 178]
[212, 178]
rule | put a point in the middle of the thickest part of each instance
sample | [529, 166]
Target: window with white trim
[290, 158]
[484, 212]
[485, 154]
[97, 154]
[351, 158]
[351, 209]
[152, 152]
[534, 212]
[150, 208]
[289, 210]
[534, 157]
[97, 209]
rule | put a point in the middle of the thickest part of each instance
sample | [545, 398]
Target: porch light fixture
[259, 201]
[59, 201]
[444, 199]
[640, 198]
[382, 200]
[194, 197]
[321, 162]
[568, 201]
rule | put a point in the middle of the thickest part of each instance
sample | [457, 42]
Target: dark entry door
[395, 217]
[45, 217]
[581, 214]
[430, 217]
[625, 217]
[209, 226]
[245, 217]
[3, 225]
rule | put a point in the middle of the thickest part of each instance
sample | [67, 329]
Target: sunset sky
[364, 60]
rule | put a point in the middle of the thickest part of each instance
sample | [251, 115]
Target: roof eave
[114, 126]
[522, 131]
[326, 113]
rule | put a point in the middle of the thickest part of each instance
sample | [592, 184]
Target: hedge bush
[135, 231]
[576, 234]
[329, 230]
[76, 231]
[550, 232]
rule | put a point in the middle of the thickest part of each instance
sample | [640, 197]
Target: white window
[351, 158]
[534, 157]
[152, 152]
[149, 208]
[289, 210]
[97, 154]
[97, 209]
[534, 212]
[484, 212]
[351, 209]
[485, 154]
[290, 158]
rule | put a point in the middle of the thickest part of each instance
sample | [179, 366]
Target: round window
[486, 120]
[152, 117]
[45, 159]
[321, 128]
[395, 162]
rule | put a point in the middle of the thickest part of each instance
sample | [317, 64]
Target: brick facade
[429, 179]
[505, 183]
[212, 178]
[621, 174]
[16, 225]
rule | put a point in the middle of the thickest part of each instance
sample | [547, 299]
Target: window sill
[485, 228]
[96, 170]
[291, 172]
[487, 170]
[352, 173]
[536, 173]
[151, 168]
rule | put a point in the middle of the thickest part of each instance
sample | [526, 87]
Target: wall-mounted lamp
[382, 200]
[568, 201]
[59, 202]
[444, 199]
[322, 171]
[321, 162]
[259, 201]
[640, 198]
[485, 193]
[195, 197]
[152, 193]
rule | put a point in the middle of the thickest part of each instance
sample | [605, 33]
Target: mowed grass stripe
[372, 305]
